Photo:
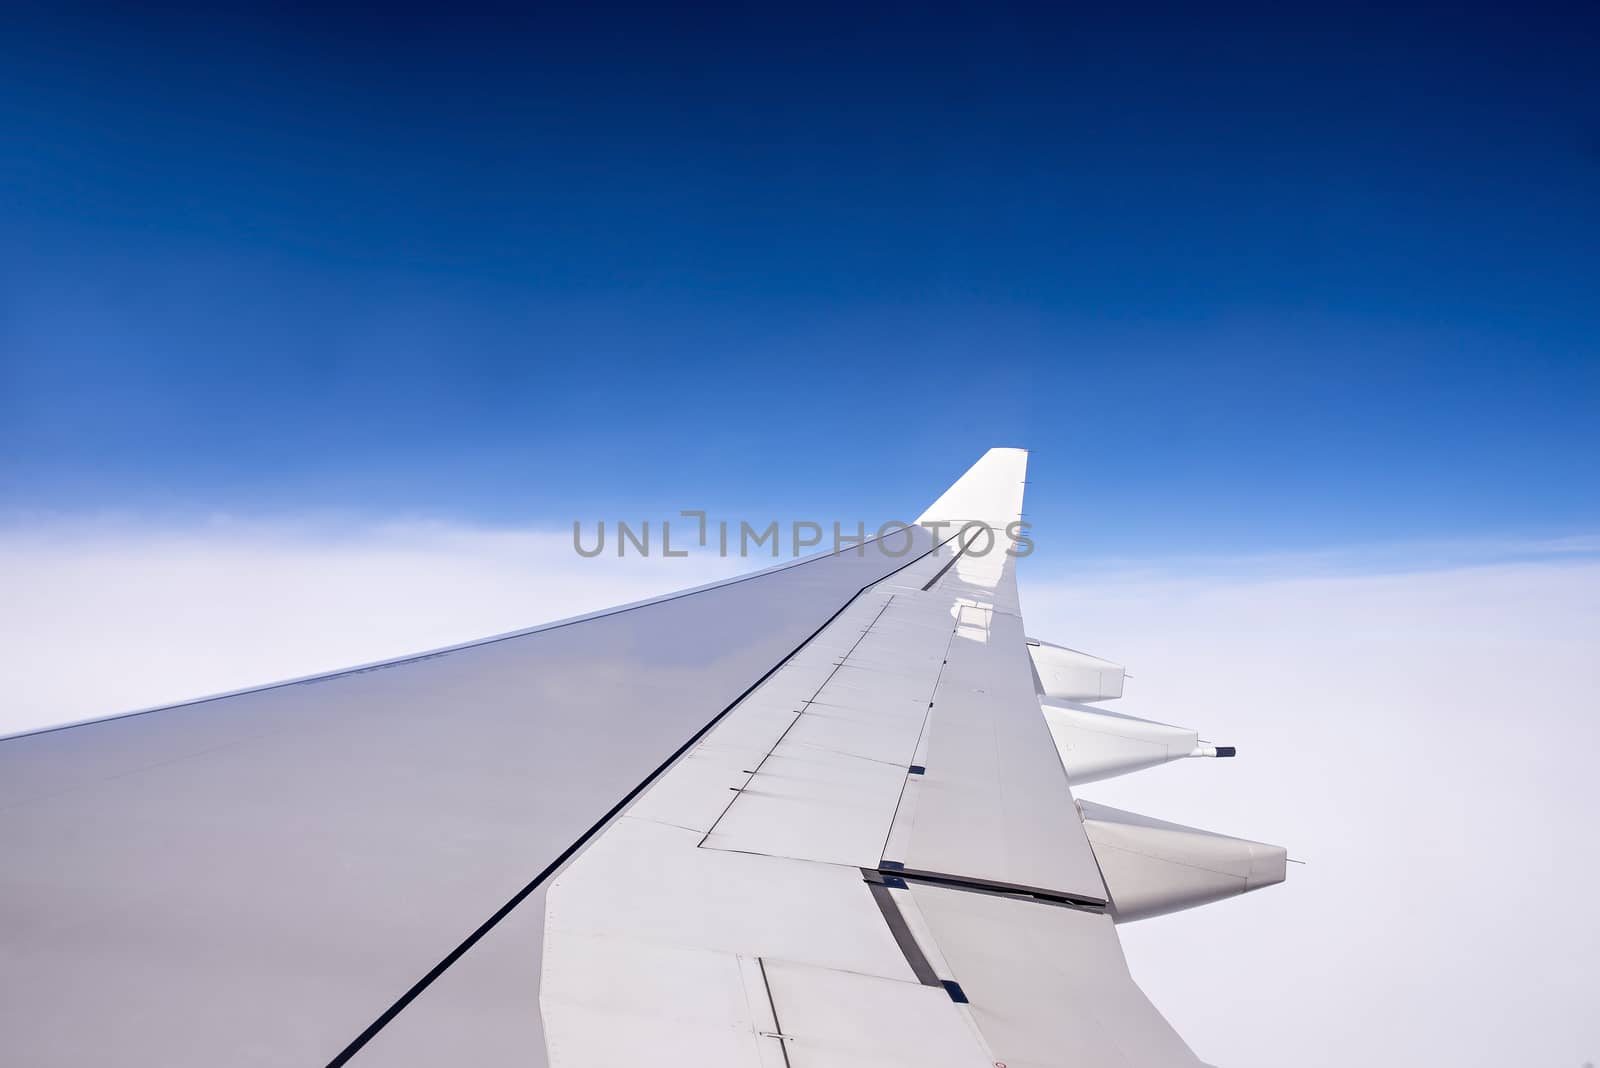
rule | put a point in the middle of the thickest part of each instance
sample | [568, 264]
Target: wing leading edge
[268, 877]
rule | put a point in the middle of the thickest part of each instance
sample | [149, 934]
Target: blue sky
[1249, 283]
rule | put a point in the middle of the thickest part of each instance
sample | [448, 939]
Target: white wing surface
[812, 816]
[873, 860]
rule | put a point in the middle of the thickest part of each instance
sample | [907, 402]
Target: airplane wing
[817, 815]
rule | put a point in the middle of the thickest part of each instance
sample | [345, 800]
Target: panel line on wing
[344, 1056]
[892, 869]
[799, 712]
[878, 883]
[828, 788]
[922, 736]
[961, 549]
[777, 1034]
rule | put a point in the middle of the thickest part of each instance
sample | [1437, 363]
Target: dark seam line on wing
[959, 551]
[922, 730]
[572, 850]
[777, 1024]
[980, 886]
[799, 711]
[898, 927]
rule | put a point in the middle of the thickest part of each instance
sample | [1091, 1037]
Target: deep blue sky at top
[1267, 280]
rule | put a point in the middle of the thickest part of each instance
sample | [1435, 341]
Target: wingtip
[989, 491]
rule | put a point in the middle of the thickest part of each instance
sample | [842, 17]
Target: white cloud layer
[1424, 741]
[1422, 738]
